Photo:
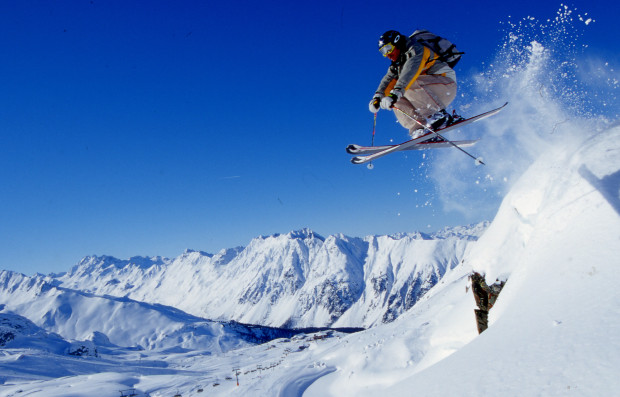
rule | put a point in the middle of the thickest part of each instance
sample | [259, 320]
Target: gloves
[375, 103]
[389, 101]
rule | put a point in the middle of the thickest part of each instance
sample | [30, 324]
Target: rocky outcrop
[485, 296]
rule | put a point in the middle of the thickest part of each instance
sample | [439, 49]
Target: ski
[442, 144]
[373, 152]
[390, 149]
[357, 149]
[415, 144]
[366, 150]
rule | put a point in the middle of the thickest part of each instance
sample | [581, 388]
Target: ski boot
[441, 120]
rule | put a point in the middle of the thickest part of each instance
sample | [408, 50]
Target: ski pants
[427, 95]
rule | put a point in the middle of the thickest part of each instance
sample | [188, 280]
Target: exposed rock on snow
[485, 296]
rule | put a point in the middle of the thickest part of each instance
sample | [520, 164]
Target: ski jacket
[412, 62]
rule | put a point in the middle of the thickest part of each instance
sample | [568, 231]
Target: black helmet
[392, 37]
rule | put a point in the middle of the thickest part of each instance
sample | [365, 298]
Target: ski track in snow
[297, 385]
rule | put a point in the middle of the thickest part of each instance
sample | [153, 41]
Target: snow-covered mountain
[293, 280]
[36, 310]
[16, 330]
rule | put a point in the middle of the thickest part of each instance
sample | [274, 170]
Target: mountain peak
[301, 234]
[89, 263]
[304, 234]
[202, 253]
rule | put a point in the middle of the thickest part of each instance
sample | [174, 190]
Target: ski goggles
[387, 49]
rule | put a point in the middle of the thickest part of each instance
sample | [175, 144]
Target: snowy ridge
[16, 330]
[293, 280]
[59, 313]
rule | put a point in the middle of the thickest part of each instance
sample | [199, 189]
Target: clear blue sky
[144, 128]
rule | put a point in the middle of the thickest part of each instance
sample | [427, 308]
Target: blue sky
[145, 128]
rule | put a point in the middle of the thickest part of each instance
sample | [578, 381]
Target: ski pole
[372, 142]
[374, 126]
[478, 160]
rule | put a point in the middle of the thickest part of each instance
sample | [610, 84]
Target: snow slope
[554, 328]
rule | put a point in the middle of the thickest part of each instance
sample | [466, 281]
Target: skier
[417, 82]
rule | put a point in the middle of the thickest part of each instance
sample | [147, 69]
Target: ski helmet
[391, 39]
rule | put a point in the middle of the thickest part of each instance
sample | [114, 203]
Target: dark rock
[485, 297]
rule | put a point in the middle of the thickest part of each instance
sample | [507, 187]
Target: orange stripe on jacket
[426, 64]
[390, 87]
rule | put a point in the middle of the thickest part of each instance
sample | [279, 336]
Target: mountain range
[294, 280]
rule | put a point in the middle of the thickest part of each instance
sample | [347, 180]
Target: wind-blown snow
[556, 90]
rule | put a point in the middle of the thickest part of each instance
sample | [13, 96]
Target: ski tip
[352, 148]
[358, 160]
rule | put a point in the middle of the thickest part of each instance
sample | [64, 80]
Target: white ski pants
[426, 96]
